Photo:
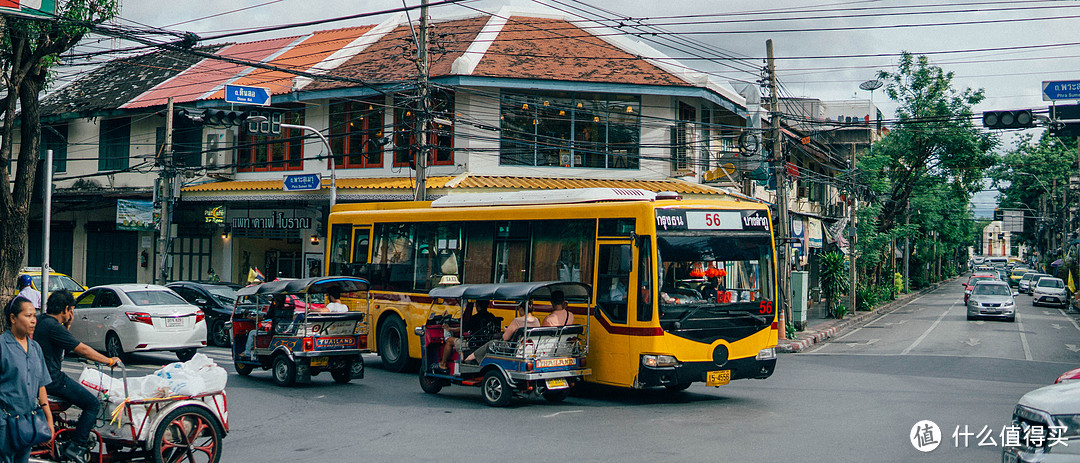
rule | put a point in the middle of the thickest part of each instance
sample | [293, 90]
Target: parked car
[216, 299]
[975, 279]
[1016, 274]
[1027, 281]
[121, 319]
[991, 299]
[1050, 290]
[1047, 409]
[57, 281]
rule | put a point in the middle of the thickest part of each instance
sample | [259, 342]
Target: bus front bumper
[688, 372]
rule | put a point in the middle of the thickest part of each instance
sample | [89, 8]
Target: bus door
[611, 347]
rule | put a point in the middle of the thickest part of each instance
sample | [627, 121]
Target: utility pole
[784, 249]
[422, 106]
[165, 175]
[46, 225]
[907, 247]
[851, 238]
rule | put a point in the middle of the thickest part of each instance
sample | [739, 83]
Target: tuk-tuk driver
[470, 326]
[522, 320]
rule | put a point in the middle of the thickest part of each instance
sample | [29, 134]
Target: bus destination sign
[682, 219]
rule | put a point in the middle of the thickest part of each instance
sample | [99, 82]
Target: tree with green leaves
[932, 160]
[1034, 177]
[29, 49]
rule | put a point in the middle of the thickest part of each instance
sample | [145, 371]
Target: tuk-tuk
[533, 361]
[300, 328]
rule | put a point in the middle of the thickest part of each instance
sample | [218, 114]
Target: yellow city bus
[702, 271]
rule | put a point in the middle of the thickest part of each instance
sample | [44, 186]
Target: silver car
[991, 299]
[1051, 291]
[1027, 282]
[1053, 411]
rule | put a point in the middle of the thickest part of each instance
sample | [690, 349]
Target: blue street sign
[1061, 90]
[240, 94]
[302, 182]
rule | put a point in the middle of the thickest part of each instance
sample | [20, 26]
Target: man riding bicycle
[55, 340]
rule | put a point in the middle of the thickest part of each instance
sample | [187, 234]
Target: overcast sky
[824, 34]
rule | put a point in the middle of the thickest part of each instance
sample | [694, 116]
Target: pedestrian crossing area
[145, 363]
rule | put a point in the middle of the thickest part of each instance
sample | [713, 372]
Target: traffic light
[222, 117]
[1065, 121]
[1017, 119]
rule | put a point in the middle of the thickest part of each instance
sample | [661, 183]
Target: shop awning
[400, 188]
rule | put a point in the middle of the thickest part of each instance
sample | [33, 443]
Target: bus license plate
[319, 361]
[175, 322]
[717, 378]
[557, 383]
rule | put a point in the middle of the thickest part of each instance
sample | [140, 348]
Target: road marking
[1071, 320]
[1072, 347]
[867, 343]
[849, 333]
[1023, 337]
[980, 322]
[972, 342]
[928, 330]
[1056, 326]
[560, 413]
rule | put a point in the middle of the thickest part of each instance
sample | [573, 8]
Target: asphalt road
[853, 399]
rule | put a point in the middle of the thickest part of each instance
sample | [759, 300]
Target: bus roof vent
[531, 197]
[668, 195]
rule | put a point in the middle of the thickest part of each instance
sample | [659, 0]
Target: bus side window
[613, 280]
[339, 248]
[644, 278]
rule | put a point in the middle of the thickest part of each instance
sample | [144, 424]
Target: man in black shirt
[472, 326]
[55, 340]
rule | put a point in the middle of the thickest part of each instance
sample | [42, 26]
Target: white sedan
[120, 319]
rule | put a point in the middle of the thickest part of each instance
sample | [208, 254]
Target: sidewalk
[819, 328]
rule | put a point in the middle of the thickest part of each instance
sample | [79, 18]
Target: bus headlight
[658, 360]
[766, 354]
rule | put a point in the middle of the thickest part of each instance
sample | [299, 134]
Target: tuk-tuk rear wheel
[284, 371]
[430, 385]
[557, 395]
[243, 369]
[496, 389]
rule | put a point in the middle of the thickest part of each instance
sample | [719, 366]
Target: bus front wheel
[393, 344]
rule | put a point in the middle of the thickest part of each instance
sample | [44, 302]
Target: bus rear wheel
[393, 344]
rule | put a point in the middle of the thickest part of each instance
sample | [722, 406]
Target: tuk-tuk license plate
[319, 361]
[717, 378]
[557, 383]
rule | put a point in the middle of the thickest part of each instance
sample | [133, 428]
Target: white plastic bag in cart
[102, 384]
[200, 375]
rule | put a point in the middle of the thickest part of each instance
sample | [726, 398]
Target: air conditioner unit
[217, 154]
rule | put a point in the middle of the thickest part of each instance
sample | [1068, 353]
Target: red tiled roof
[514, 47]
[539, 48]
[390, 59]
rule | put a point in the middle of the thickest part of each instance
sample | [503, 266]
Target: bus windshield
[713, 268]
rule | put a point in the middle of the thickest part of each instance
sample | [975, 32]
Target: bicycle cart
[535, 361]
[180, 428]
[290, 328]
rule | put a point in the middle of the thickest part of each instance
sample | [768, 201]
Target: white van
[997, 262]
